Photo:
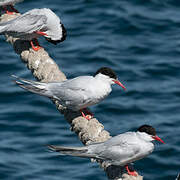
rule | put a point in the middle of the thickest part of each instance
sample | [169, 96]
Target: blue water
[140, 40]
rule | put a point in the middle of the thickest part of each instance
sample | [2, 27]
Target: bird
[9, 4]
[33, 24]
[178, 177]
[120, 150]
[78, 93]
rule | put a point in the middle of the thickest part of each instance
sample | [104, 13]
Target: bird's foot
[131, 173]
[10, 10]
[88, 116]
[41, 33]
[37, 47]
[7, 11]
[89, 113]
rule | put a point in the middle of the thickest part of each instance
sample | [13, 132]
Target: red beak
[158, 139]
[120, 84]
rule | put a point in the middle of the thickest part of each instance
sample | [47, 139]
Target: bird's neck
[103, 78]
[144, 136]
[103, 87]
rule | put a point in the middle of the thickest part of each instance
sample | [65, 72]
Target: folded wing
[25, 24]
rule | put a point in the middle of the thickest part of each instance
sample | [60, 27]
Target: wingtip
[51, 147]
[17, 82]
[178, 177]
[14, 76]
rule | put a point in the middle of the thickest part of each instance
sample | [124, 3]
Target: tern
[33, 24]
[78, 93]
[9, 4]
[178, 177]
[119, 150]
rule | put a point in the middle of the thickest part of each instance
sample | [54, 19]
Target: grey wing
[80, 82]
[74, 97]
[27, 23]
[73, 93]
[120, 149]
[71, 98]
[120, 154]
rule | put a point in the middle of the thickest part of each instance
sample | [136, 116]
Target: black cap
[147, 129]
[106, 71]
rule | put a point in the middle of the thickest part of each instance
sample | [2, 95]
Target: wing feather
[26, 23]
[72, 93]
[120, 149]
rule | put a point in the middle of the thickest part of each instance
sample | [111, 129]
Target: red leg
[41, 33]
[37, 47]
[88, 117]
[89, 113]
[7, 11]
[131, 173]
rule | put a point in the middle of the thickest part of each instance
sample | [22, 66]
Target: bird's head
[109, 75]
[55, 41]
[149, 133]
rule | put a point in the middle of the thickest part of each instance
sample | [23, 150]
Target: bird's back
[123, 149]
[79, 92]
[32, 21]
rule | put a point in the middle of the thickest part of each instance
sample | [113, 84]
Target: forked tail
[73, 151]
[33, 86]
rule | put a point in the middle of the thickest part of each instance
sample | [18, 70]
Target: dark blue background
[140, 40]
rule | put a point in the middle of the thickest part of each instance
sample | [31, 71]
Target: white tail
[73, 151]
[33, 86]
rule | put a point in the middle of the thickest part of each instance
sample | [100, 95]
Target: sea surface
[140, 40]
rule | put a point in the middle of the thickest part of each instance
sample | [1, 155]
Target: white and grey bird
[119, 150]
[33, 24]
[6, 4]
[78, 93]
[178, 177]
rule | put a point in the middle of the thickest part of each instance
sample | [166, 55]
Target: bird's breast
[100, 92]
[146, 149]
